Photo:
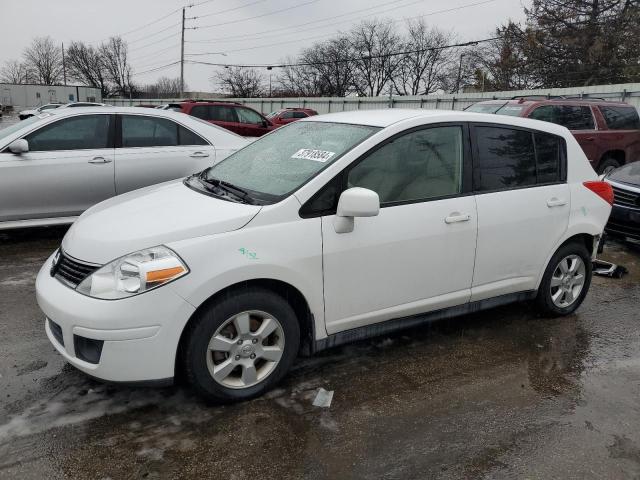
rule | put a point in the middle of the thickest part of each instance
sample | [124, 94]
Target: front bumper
[138, 336]
[624, 222]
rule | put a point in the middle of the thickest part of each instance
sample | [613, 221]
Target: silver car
[57, 164]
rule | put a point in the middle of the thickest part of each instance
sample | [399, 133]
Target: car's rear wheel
[566, 280]
[240, 345]
[607, 165]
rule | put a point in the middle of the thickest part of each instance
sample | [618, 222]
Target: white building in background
[27, 96]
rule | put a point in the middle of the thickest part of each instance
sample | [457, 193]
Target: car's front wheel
[240, 345]
[566, 280]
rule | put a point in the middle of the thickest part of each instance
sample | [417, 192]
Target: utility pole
[182, 57]
[64, 67]
[459, 74]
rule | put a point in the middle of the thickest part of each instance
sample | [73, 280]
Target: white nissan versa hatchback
[328, 230]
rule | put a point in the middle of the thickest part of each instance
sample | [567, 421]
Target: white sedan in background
[24, 114]
[57, 164]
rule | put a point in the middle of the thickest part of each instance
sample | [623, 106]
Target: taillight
[602, 189]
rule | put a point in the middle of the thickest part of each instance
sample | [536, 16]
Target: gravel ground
[501, 394]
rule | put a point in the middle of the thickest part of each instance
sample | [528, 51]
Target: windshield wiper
[227, 187]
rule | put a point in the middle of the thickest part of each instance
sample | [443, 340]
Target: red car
[239, 119]
[608, 132]
[288, 115]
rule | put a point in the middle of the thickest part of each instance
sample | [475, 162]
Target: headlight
[134, 273]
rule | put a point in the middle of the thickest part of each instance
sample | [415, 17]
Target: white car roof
[390, 116]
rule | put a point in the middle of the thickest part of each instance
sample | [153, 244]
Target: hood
[148, 217]
[629, 173]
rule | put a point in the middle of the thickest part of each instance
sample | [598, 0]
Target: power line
[315, 37]
[173, 25]
[150, 23]
[351, 59]
[154, 43]
[227, 10]
[158, 68]
[254, 37]
[256, 16]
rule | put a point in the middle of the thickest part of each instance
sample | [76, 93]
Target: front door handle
[556, 202]
[457, 217]
[199, 154]
[100, 160]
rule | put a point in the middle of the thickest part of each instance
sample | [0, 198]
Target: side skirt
[394, 325]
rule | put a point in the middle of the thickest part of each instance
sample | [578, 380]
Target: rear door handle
[199, 154]
[456, 217]
[100, 160]
[556, 202]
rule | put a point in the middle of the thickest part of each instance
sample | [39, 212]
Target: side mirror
[264, 124]
[355, 202]
[19, 146]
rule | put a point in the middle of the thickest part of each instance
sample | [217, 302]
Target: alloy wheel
[245, 349]
[567, 281]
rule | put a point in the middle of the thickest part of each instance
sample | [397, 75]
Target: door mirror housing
[19, 146]
[355, 202]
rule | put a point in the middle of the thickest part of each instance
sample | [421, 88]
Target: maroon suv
[239, 119]
[608, 132]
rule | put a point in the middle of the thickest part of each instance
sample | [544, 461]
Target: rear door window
[83, 132]
[222, 113]
[505, 159]
[143, 131]
[569, 116]
[200, 111]
[621, 118]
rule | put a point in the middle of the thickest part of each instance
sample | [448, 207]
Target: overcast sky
[225, 26]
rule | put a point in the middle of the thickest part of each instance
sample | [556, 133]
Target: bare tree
[375, 46]
[85, 64]
[114, 56]
[427, 67]
[240, 82]
[13, 71]
[325, 69]
[164, 88]
[43, 60]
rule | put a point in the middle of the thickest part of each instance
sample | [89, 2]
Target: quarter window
[76, 133]
[420, 165]
[142, 131]
[621, 118]
[187, 137]
[510, 158]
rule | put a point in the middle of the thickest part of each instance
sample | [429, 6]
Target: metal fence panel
[629, 92]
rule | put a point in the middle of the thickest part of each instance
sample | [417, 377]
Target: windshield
[282, 161]
[497, 108]
[485, 107]
[11, 129]
[630, 173]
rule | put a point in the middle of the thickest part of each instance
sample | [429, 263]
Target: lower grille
[56, 331]
[71, 271]
[624, 229]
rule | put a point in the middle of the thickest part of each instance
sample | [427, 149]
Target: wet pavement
[502, 394]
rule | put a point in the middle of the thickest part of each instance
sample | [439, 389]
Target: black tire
[608, 163]
[194, 350]
[544, 301]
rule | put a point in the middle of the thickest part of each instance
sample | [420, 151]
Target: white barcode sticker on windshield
[315, 155]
